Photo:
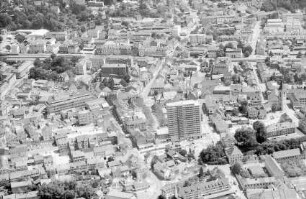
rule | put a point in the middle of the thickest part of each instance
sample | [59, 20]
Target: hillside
[291, 5]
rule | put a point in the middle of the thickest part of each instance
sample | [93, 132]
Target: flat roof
[183, 103]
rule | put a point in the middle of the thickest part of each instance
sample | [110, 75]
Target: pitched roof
[287, 153]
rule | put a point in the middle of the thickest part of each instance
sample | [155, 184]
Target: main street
[145, 92]
[255, 37]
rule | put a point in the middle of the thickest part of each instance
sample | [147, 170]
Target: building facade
[184, 120]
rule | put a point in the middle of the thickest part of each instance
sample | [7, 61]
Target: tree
[5, 20]
[261, 131]
[275, 107]
[20, 38]
[213, 154]
[53, 56]
[267, 6]
[127, 78]
[229, 45]
[38, 21]
[236, 168]
[1, 39]
[183, 152]
[201, 172]
[271, 54]
[240, 44]
[299, 55]
[236, 79]
[246, 137]
[247, 50]
[244, 107]
[111, 83]
[74, 59]
[8, 47]
[220, 53]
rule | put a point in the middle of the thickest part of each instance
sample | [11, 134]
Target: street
[255, 36]
[145, 92]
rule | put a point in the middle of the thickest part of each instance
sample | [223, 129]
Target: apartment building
[184, 120]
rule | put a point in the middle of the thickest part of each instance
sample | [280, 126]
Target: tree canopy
[246, 137]
[213, 154]
[261, 131]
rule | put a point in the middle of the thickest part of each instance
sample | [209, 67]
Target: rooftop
[184, 103]
[287, 153]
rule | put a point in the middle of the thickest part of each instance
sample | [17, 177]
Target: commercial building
[184, 120]
[75, 101]
[212, 189]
